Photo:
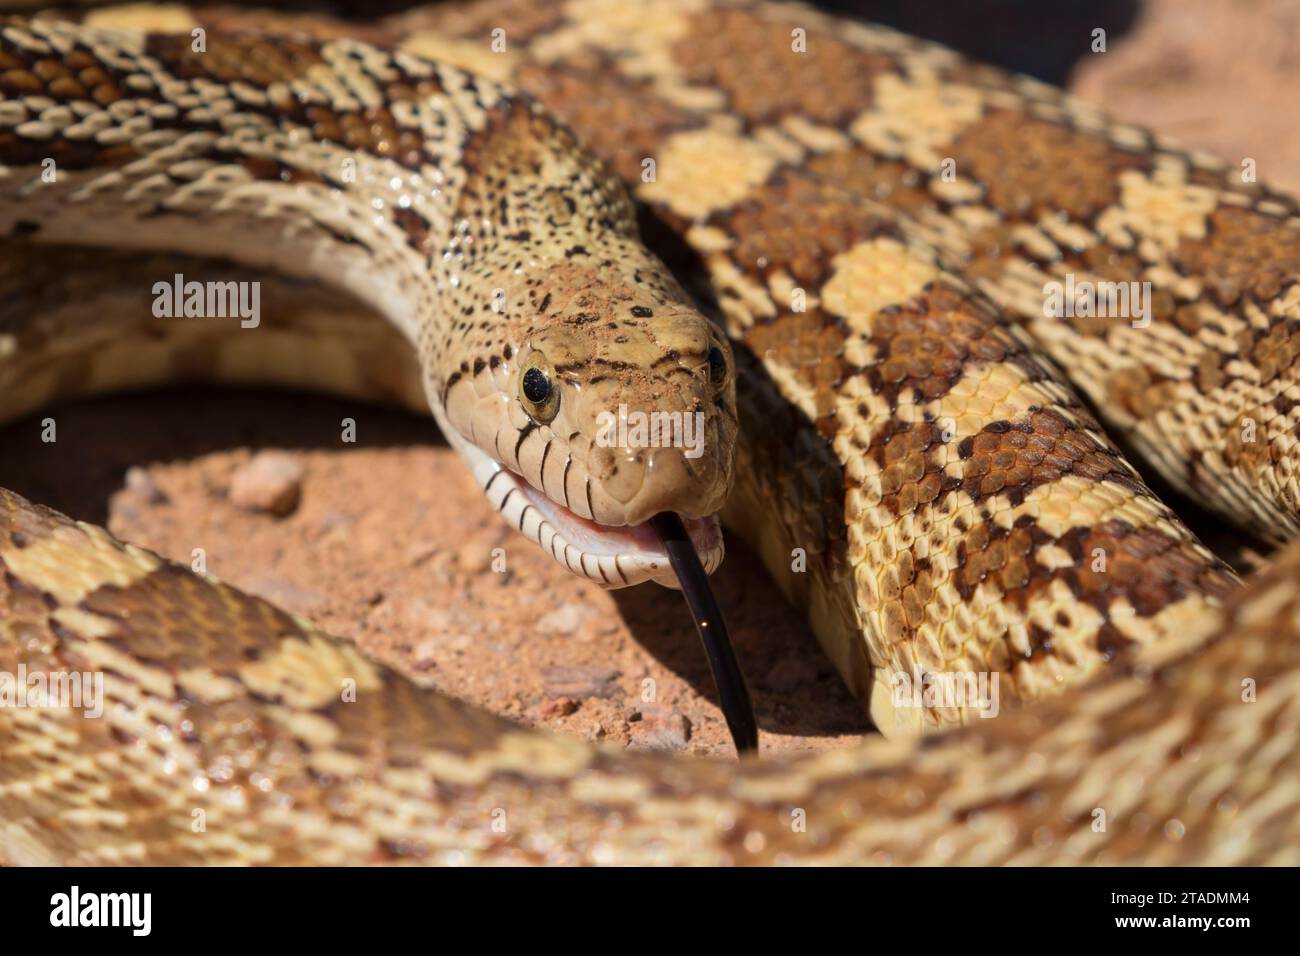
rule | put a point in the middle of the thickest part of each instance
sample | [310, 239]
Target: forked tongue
[727, 677]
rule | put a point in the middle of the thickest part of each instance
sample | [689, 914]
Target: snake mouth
[612, 555]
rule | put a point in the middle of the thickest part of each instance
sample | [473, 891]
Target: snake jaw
[613, 556]
[620, 555]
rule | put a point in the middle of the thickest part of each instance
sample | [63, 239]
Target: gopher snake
[958, 508]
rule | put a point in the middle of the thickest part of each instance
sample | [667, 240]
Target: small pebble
[563, 620]
[473, 557]
[270, 482]
[557, 707]
[580, 680]
[659, 729]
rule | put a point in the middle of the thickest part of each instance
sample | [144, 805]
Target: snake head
[617, 407]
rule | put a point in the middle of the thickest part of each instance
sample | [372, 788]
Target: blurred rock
[270, 482]
[583, 680]
[563, 620]
[557, 707]
[661, 729]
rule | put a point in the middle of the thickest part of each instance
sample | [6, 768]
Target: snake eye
[537, 387]
[717, 367]
[540, 398]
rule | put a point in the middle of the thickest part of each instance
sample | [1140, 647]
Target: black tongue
[727, 678]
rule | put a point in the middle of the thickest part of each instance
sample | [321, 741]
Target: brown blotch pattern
[811, 345]
[625, 124]
[1110, 562]
[1031, 167]
[1013, 458]
[78, 76]
[910, 474]
[988, 252]
[1244, 253]
[1004, 458]
[751, 58]
[1140, 391]
[314, 26]
[924, 345]
[236, 57]
[373, 130]
[883, 180]
[177, 620]
[1147, 566]
[271, 63]
[1250, 457]
[990, 554]
[1117, 265]
[799, 224]
[1275, 352]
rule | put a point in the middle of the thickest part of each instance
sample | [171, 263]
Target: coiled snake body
[876, 224]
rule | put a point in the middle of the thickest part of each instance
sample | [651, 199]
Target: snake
[828, 243]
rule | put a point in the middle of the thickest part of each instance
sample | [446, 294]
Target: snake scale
[871, 220]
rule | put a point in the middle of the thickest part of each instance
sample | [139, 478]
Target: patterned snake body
[959, 509]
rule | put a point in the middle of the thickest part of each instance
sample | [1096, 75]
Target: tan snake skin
[959, 509]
